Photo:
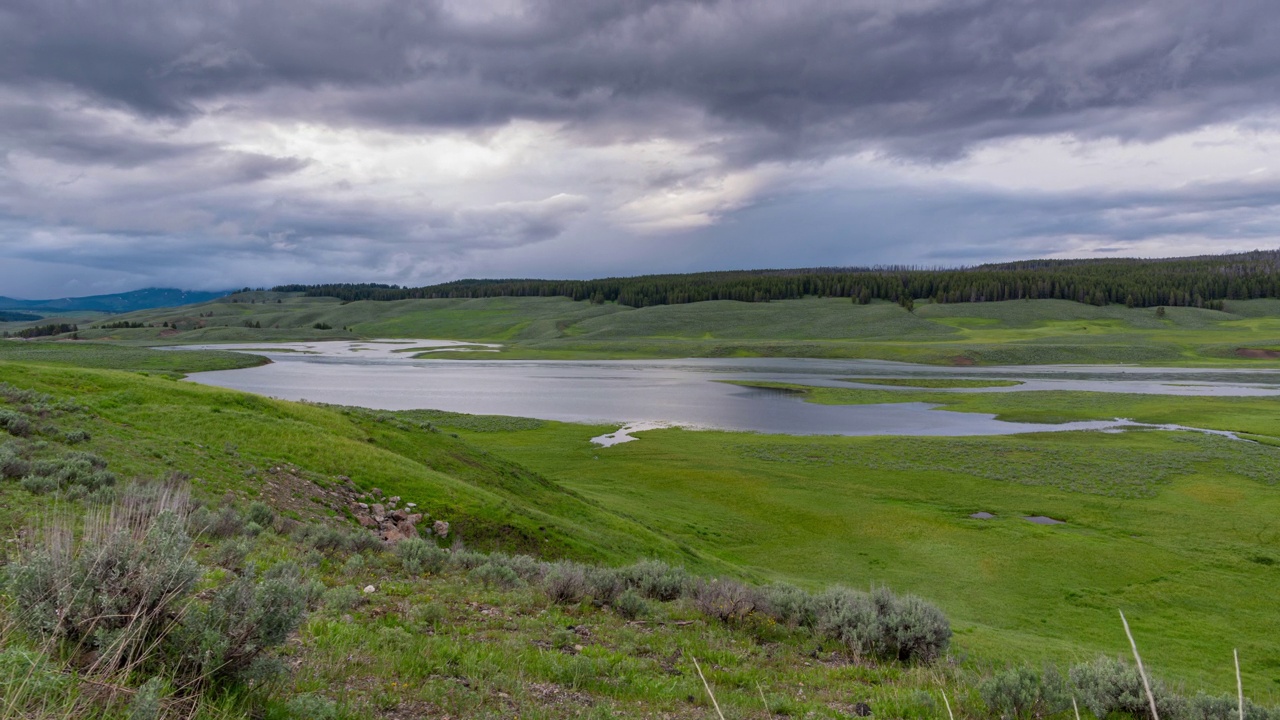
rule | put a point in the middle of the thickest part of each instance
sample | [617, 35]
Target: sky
[214, 144]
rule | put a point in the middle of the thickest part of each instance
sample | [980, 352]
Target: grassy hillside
[1247, 333]
[230, 440]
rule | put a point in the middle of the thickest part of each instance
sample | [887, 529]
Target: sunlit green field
[1011, 332]
[1177, 529]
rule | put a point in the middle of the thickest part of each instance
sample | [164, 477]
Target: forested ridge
[1205, 281]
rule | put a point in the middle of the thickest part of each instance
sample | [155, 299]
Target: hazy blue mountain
[117, 303]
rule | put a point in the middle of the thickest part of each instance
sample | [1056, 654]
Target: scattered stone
[394, 499]
[362, 506]
[1043, 520]
[378, 511]
[376, 492]
[982, 516]
[440, 528]
[370, 589]
[411, 505]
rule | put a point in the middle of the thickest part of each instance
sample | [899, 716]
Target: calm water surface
[681, 392]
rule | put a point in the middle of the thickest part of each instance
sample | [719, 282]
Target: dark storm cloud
[98, 176]
[794, 78]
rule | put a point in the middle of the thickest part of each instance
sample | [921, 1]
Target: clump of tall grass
[113, 590]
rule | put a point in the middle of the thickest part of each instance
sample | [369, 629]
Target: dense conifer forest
[1205, 281]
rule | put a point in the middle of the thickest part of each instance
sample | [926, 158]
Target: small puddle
[1043, 520]
[982, 516]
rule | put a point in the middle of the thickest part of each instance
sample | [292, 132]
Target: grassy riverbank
[1255, 417]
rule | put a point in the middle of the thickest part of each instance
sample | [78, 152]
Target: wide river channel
[681, 392]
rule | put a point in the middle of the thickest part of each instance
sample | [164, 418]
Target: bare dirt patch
[1258, 353]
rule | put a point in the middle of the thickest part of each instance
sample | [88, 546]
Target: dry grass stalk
[1142, 672]
[1075, 707]
[708, 687]
[1239, 684]
[948, 704]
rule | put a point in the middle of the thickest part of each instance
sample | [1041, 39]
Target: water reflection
[684, 392]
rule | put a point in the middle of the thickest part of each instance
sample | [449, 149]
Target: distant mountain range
[118, 303]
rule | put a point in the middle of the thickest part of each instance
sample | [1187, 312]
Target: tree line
[44, 330]
[1205, 281]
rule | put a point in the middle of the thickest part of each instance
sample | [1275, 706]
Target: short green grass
[933, 382]
[1176, 529]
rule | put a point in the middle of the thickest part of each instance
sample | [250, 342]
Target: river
[681, 392]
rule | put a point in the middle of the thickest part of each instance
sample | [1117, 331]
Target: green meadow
[1176, 529]
[1246, 333]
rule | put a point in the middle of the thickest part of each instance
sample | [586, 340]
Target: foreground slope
[229, 440]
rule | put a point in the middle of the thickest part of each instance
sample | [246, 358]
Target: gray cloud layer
[95, 97]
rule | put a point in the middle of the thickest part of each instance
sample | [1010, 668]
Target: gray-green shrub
[311, 707]
[496, 575]
[529, 569]
[74, 437]
[418, 556]
[467, 559]
[115, 591]
[1021, 692]
[221, 523]
[883, 625]
[13, 463]
[725, 600]
[147, 701]
[1226, 707]
[343, 598]
[788, 604]
[82, 470]
[244, 619]
[260, 513]
[1107, 685]
[15, 423]
[231, 553]
[630, 604]
[566, 583]
[657, 580]
[908, 628]
[605, 584]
